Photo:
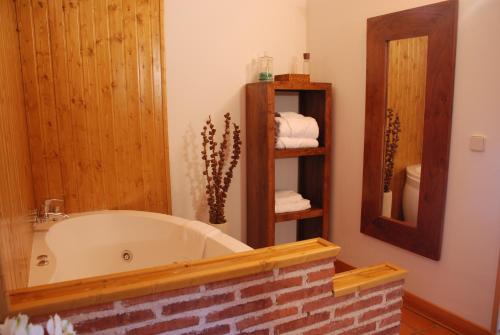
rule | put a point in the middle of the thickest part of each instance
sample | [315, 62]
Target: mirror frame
[439, 22]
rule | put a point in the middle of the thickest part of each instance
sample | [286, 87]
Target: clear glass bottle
[266, 68]
[306, 69]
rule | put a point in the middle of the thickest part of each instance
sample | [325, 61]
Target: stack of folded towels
[294, 130]
[289, 201]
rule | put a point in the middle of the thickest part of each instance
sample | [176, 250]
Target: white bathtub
[93, 244]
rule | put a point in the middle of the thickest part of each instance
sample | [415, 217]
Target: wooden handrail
[86, 292]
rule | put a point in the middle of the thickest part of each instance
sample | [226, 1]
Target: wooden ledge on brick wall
[367, 277]
[99, 290]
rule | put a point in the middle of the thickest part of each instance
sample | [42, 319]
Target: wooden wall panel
[92, 72]
[16, 188]
[407, 69]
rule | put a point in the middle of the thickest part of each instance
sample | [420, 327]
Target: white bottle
[306, 65]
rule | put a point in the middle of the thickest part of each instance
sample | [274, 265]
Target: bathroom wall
[211, 48]
[95, 102]
[16, 189]
[463, 281]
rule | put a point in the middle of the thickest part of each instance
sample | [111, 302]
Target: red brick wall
[297, 299]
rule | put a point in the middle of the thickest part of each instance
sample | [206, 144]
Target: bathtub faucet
[51, 211]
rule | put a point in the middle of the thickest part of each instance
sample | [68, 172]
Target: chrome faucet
[51, 211]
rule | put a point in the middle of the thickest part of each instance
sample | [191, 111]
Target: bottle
[306, 65]
[266, 68]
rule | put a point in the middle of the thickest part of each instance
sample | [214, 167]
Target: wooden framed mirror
[409, 100]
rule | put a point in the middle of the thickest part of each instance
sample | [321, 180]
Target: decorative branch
[392, 130]
[215, 158]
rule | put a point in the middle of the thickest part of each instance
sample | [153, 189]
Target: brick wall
[293, 300]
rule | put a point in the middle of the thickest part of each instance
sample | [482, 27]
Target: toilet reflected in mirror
[411, 193]
[404, 127]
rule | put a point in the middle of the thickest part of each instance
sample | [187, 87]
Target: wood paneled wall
[95, 96]
[16, 188]
[407, 70]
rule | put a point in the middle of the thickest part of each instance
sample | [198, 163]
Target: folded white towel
[288, 115]
[291, 142]
[289, 201]
[290, 124]
[293, 206]
[286, 196]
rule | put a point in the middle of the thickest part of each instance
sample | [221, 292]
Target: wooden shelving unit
[314, 163]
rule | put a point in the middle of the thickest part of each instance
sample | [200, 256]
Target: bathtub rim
[45, 299]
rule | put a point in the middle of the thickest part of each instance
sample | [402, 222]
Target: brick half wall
[291, 300]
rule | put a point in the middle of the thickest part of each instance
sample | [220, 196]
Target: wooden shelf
[299, 86]
[289, 153]
[314, 169]
[307, 214]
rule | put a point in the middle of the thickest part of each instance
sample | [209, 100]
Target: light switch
[477, 143]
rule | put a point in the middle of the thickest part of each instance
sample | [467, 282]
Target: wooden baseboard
[431, 311]
[496, 303]
[442, 316]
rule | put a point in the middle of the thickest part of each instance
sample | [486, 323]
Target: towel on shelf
[301, 205]
[286, 196]
[290, 201]
[292, 142]
[289, 124]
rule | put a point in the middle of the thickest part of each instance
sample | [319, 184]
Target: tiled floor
[415, 324]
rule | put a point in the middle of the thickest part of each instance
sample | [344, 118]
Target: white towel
[290, 124]
[289, 201]
[290, 115]
[286, 196]
[293, 206]
[291, 142]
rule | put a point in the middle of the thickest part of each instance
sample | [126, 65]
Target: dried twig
[392, 130]
[215, 159]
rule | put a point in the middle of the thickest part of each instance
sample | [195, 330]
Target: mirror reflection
[403, 134]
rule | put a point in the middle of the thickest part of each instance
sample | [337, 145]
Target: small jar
[306, 66]
[265, 68]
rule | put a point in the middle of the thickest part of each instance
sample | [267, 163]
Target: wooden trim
[367, 277]
[299, 215]
[430, 311]
[441, 316]
[85, 292]
[496, 301]
[300, 86]
[288, 153]
[438, 22]
[3, 297]
[163, 57]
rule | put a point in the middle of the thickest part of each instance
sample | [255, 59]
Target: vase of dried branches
[391, 134]
[220, 160]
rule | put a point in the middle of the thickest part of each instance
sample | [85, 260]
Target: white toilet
[411, 192]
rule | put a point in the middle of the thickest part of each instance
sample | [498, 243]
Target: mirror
[409, 96]
[404, 127]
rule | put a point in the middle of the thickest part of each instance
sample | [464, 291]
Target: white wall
[463, 280]
[210, 48]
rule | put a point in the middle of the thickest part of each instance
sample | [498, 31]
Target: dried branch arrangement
[218, 168]
[392, 130]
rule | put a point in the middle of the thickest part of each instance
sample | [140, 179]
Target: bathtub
[100, 243]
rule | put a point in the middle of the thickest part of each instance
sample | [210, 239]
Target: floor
[413, 324]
